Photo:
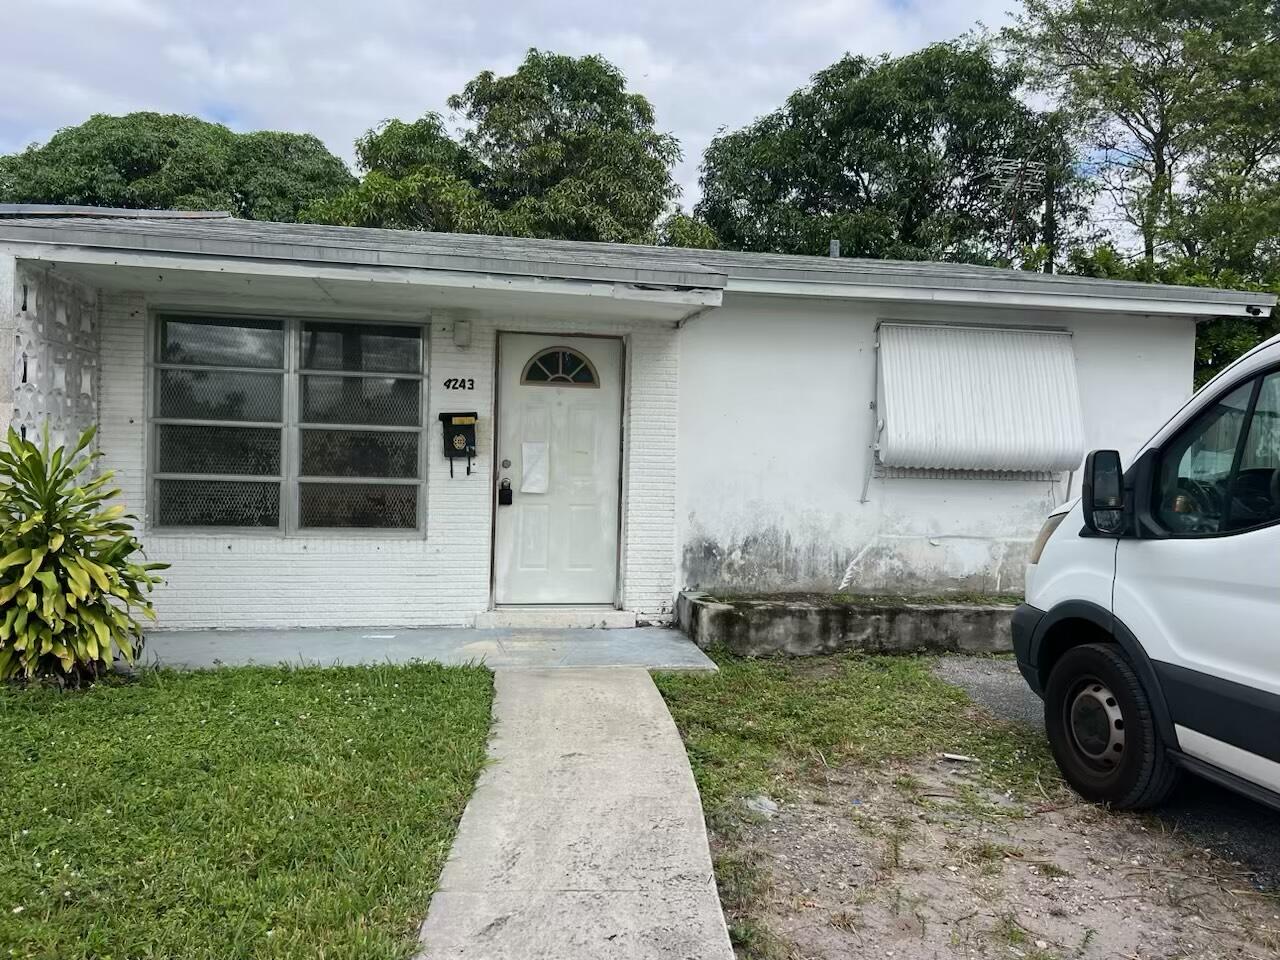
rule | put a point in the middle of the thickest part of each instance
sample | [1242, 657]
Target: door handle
[504, 493]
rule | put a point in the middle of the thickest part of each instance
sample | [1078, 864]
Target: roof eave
[132, 244]
[992, 294]
[619, 289]
[60, 210]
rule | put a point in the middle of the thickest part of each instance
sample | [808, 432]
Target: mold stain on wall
[897, 552]
[770, 558]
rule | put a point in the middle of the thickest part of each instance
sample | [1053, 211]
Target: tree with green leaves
[166, 161]
[1176, 104]
[928, 156]
[1176, 101]
[557, 149]
[678, 229]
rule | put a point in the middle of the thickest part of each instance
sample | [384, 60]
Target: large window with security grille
[286, 424]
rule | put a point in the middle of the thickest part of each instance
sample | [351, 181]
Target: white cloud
[336, 68]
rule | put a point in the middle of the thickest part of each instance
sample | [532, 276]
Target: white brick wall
[303, 580]
[121, 409]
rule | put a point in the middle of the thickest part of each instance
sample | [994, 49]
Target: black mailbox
[459, 437]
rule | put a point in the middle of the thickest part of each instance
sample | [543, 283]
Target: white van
[1151, 627]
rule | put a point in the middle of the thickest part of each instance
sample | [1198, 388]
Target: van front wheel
[1102, 731]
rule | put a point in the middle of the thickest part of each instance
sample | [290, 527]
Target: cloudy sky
[337, 67]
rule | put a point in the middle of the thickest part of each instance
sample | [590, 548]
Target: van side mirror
[1102, 494]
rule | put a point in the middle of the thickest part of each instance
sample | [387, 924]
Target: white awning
[978, 398]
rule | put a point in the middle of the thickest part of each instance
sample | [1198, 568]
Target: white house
[330, 426]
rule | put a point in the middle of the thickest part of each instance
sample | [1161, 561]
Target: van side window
[1255, 485]
[1194, 478]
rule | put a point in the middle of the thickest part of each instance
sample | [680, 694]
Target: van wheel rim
[1096, 724]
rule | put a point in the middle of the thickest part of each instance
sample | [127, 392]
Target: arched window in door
[559, 367]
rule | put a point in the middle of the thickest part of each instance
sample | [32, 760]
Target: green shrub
[68, 585]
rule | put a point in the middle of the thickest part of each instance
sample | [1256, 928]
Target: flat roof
[209, 233]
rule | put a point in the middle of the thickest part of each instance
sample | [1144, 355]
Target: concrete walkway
[653, 647]
[584, 838]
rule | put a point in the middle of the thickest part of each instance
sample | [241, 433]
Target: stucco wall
[775, 425]
[49, 357]
[436, 579]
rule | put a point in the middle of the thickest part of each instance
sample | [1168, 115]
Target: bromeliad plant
[69, 583]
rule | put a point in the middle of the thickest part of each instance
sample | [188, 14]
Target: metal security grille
[218, 420]
[225, 451]
[352, 399]
[368, 381]
[291, 424]
[355, 453]
[203, 394]
[217, 503]
[359, 505]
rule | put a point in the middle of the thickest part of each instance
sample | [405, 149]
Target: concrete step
[554, 618]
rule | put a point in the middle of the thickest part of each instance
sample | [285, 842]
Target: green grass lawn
[237, 813]
[751, 726]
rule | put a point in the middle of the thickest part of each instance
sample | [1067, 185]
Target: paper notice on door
[533, 464]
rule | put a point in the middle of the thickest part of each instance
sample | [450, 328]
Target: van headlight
[1043, 536]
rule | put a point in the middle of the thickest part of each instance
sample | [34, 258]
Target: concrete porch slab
[653, 648]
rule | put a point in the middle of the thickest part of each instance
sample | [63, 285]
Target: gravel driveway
[1211, 817]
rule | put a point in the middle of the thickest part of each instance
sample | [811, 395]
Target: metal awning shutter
[978, 398]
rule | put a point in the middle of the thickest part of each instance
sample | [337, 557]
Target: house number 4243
[460, 383]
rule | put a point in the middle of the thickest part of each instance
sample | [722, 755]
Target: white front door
[559, 447]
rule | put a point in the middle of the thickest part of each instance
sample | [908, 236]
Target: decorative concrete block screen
[55, 356]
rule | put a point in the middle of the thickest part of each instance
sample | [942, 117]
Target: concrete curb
[799, 627]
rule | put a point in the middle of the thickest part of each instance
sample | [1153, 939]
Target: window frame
[290, 477]
[1253, 377]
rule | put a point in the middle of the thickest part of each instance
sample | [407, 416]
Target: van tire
[1102, 730]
